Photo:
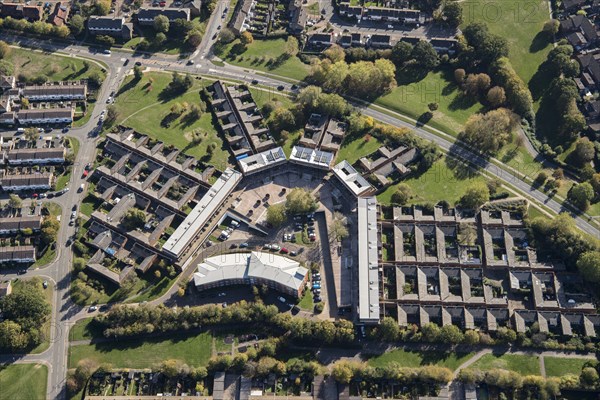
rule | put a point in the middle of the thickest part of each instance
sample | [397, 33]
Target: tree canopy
[300, 201]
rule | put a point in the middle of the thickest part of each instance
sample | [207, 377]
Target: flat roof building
[188, 230]
[262, 161]
[311, 157]
[368, 261]
[255, 268]
[354, 181]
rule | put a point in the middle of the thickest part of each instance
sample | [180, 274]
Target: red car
[35, 195]
[85, 173]
[284, 250]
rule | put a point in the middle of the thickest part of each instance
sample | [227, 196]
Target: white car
[92, 308]
[275, 247]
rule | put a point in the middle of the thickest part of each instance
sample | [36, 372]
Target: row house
[12, 225]
[298, 16]
[21, 11]
[7, 82]
[405, 16]
[17, 254]
[145, 16]
[116, 27]
[20, 182]
[36, 156]
[59, 15]
[45, 116]
[63, 91]
[580, 32]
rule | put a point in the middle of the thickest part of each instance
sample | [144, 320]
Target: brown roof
[60, 14]
[9, 253]
[55, 90]
[34, 154]
[24, 115]
[14, 10]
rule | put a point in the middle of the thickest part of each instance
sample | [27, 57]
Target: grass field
[261, 55]
[306, 302]
[354, 148]
[57, 68]
[84, 329]
[414, 359]
[556, 366]
[440, 182]
[23, 381]
[412, 98]
[524, 365]
[143, 108]
[136, 353]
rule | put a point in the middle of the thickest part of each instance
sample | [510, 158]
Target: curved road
[65, 312]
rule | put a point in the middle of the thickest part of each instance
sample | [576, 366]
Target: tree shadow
[462, 169]
[539, 81]
[539, 42]
[128, 86]
[462, 102]
[510, 154]
[410, 74]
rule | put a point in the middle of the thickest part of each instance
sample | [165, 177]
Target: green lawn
[84, 329]
[89, 204]
[354, 148]
[57, 68]
[556, 366]
[23, 381]
[440, 182]
[411, 98]
[261, 55]
[524, 365]
[413, 359]
[138, 353]
[306, 302]
[142, 108]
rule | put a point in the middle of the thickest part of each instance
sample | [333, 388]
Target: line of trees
[122, 321]
[37, 28]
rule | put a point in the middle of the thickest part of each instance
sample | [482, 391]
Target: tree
[194, 39]
[489, 132]
[452, 13]
[180, 83]
[4, 49]
[77, 24]
[333, 105]
[471, 337]
[282, 119]
[476, 194]
[276, 214]
[588, 265]
[161, 23]
[335, 53]
[134, 218]
[388, 329]
[580, 195]
[487, 47]
[246, 38]
[425, 55]
[402, 194]
[583, 153]
[451, 334]
[14, 201]
[27, 307]
[476, 84]
[551, 27]
[401, 53]
[431, 332]
[496, 96]
[308, 97]
[595, 182]
[589, 377]
[101, 7]
[31, 134]
[291, 47]
[344, 370]
[300, 201]
[12, 336]
[226, 36]
[105, 40]
[50, 227]
[159, 39]
[459, 75]
[194, 113]
[138, 72]
[339, 229]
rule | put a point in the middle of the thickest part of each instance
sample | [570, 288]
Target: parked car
[275, 247]
[45, 284]
[92, 308]
[81, 188]
[293, 253]
[284, 250]
[138, 64]
[317, 299]
[243, 245]
[107, 52]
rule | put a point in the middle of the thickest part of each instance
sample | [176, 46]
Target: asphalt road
[66, 313]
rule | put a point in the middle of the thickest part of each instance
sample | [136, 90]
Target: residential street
[65, 312]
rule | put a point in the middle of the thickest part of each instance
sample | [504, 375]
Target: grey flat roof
[368, 264]
[205, 208]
